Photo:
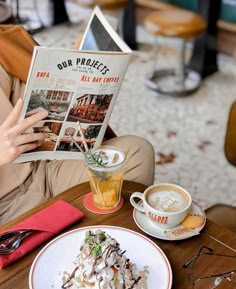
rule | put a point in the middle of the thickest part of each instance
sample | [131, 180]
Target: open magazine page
[99, 35]
[79, 90]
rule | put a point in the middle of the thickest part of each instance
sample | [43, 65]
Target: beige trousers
[50, 178]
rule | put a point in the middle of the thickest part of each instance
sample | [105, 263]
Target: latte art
[168, 200]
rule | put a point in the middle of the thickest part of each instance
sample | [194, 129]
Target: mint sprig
[97, 250]
[94, 158]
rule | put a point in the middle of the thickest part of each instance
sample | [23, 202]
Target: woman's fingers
[12, 119]
[13, 141]
[14, 128]
[28, 147]
[29, 138]
[12, 146]
[13, 152]
[26, 123]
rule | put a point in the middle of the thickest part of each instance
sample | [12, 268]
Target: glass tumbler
[106, 180]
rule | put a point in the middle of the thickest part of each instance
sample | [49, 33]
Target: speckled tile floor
[187, 133]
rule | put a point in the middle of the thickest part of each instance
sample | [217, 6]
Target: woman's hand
[13, 140]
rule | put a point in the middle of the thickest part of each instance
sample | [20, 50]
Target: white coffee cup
[166, 205]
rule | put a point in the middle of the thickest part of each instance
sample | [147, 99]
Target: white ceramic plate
[58, 256]
[146, 226]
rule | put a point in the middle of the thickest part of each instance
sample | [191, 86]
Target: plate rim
[166, 238]
[160, 251]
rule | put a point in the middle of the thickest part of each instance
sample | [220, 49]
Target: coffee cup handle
[136, 205]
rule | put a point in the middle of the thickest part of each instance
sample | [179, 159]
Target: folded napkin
[47, 222]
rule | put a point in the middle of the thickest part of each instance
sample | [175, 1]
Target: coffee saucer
[146, 226]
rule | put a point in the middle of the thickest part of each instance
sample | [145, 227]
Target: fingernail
[20, 100]
[44, 112]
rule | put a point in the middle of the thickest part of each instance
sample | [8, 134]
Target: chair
[230, 138]
[179, 24]
[221, 214]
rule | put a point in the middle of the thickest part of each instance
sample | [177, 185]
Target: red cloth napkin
[49, 221]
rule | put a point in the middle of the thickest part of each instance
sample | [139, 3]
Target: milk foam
[168, 200]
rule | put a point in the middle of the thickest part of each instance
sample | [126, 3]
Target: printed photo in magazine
[78, 88]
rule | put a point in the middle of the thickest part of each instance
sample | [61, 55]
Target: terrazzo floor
[187, 132]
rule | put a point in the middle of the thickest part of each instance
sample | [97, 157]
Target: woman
[25, 185]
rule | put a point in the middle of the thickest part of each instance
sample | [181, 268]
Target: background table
[178, 252]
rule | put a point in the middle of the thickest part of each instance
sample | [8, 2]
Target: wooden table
[178, 252]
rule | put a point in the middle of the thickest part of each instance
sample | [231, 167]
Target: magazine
[78, 88]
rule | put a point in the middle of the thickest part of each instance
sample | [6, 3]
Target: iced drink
[106, 179]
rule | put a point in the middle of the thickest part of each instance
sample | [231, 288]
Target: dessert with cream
[101, 264]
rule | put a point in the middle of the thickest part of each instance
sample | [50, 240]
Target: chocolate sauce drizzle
[104, 256]
[72, 275]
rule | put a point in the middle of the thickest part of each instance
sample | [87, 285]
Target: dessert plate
[143, 223]
[59, 255]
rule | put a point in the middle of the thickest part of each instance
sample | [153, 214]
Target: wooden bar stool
[184, 25]
[104, 4]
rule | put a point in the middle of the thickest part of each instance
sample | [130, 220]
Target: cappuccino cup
[165, 205]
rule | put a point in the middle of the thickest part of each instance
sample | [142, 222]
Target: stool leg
[155, 53]
[178, 81]
[181, 66]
